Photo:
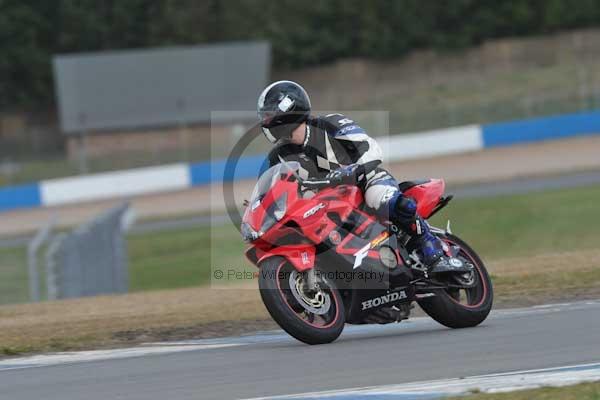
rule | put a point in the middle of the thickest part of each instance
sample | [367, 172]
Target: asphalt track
[274, 364]
[527, 185]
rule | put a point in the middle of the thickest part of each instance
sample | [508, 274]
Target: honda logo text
[381, 300]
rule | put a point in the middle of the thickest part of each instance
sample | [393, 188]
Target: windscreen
[270, 177]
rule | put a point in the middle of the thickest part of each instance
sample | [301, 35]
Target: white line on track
[494, 383]
[261, 338]
[98, 355]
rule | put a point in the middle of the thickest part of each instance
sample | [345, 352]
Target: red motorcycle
[325, 261]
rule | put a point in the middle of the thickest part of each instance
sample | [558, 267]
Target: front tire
[447, 306]
[316, 318]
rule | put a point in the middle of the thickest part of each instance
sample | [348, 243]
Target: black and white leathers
[334, 141]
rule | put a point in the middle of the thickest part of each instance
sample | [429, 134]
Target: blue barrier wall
[536, 129]
[210, 172]
[491, 135]
[22, 196]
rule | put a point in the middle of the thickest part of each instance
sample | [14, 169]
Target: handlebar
[316, 183]
[308, 183]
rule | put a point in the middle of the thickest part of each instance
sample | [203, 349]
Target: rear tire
[447, 310]
[290, 314]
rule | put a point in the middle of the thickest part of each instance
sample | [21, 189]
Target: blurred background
[429, 64]
[140, 101]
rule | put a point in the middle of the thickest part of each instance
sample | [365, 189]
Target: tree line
[302, 32]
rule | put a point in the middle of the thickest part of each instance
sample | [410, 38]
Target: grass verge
[583, 391]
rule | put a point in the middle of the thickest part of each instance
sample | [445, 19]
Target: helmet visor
[266, 117]
[280, 132]
[279, 126]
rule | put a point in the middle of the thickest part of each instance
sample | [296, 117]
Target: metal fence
[91, 260]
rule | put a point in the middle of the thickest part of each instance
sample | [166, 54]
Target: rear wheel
[462, 308]
[313, 317]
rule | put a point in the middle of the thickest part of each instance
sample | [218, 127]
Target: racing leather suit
[335, 141]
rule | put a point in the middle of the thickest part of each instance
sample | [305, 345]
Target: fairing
[303, 231]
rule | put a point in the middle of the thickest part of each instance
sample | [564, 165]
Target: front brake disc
[317, 303]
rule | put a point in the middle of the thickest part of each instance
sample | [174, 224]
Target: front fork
[311, 280]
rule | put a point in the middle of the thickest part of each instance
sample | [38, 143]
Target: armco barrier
[396, 148]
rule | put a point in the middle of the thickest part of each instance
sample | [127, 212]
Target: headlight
[275, 212]
[248, 234]
[280, 207]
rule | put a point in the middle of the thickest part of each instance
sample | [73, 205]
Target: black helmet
[282, 107]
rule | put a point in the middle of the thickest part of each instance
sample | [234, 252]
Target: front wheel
[462, 308]
[313, 317]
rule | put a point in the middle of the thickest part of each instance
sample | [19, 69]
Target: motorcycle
[325, 261]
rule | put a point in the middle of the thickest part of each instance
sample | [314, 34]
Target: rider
[343, 152]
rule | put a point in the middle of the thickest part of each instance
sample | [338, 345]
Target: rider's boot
[404, 215]
[428, 246]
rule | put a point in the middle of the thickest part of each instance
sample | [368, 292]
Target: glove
[345, 175]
